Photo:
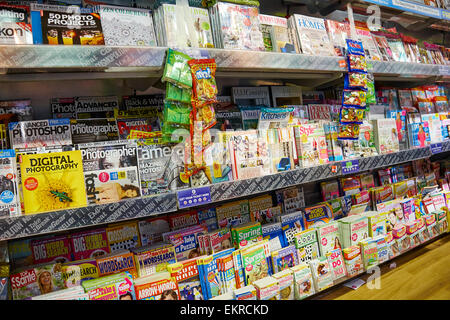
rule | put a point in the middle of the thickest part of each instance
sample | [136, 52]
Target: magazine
[153, 163]
[70, 28]
[123, 236]
[21, 110]
[89, 244]
[338, 33]
[312, 35]
[238, 26]
[63, 108]
[15, 26]
[113, 287]
[95, 107]
[186, 274]
[124, 26]
[9, 189]
[155, 101]
[93, 130]
[52, 181]
[276, 35]
[110, 171]
[151, 230]
[40, 133]
[53, 249]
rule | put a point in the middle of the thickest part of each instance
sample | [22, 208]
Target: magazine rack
[63, 220]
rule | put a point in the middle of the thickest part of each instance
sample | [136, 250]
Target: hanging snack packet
[204, 81]
[357, 63]
[348, 132]
[355, 99]
[177, 94]
[370, 96]
[355, 47]
[355, 80]
[177, 114]
[351, 115]
[176, 70]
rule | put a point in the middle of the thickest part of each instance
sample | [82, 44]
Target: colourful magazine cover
[254, 262]
[55, 249]
[40, 133]
[159, 286]
[154, 258]
[210, 277]
[15, 26]
[123, 236]
[9, 190]
[110, 171]
[36, 281]
[74, 273]
[89, 244]
[52, 181]
[185, 241]
[114, 263]
[317, 215]
[307, 245]
[113, 287]
[227, 273]
[186, 274]
[93, 130]
[183, 220]
[291, 224]
[284, 258]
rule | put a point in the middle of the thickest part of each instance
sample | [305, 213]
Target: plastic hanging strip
[185, 25]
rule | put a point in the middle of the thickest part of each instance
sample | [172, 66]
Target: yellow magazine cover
[52, 181]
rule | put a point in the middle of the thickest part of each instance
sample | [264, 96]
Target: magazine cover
[15, 26]
[313, 36]
[89, 244]
[311, 144]
[64, 28]
[238, 26]
[110, 171]
[151, 230]
[114, 287]
[400, 122]
[154, 258]
[155, 101]
[63, 108]
[291, 224]
[307, 244]
[52, 181]
[123, 236]
[245, 160]
[96, 107]
[284, 258]
[187, 277]
[254, 263]
[20, 110]
[124, 26]
[227, 273]
[251, 96]
[116, 262]
[40, 133]
[93, 130]
[55, 249]
[233, 213]
[369, 44]
[153, 161]
[338, 33]
[386, 136]
[74, 273]
[126, 125]
[160, 286]
[185, 241]
[9, 189]
[177, 27]
[36, 281]
[276, 34]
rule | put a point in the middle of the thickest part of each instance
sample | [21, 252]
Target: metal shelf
[64, 220]
[35, 62]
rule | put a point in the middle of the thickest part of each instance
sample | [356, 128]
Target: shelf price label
[349, 167]
[193, 197]
[436, 148]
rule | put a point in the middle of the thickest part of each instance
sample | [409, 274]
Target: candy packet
[177, 70]
[350, 115]
[204, 81]
[354, 80]
[355, 99]
[177, 94]
[348, 132]
[357, 63]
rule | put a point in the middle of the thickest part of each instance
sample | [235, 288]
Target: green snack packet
[174, 93]
[370, 98]
[177, 70]
[173, 134]
[177, 114]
